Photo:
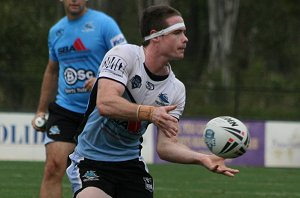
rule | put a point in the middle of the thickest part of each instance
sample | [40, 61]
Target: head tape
[165, 31]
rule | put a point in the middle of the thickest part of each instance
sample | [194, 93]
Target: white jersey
[106, 139]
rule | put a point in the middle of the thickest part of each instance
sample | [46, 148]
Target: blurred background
[243, 57]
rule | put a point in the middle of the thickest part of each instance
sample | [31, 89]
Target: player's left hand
[89, 83]
[217, 165]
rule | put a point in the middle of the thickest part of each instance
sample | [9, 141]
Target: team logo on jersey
[88, 27]
[162, 99]
[90, 176]
[114, 65]
[72, 75]
[136, 82]
[149, 85]
[148, 184]
[77, 46]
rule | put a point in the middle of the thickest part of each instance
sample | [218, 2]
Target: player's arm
[48, 89]
[111, 103]
[169, 149]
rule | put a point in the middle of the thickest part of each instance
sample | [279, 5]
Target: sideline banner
[282, 144]
[18, 139]
[273, 143]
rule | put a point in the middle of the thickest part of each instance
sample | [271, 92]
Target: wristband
[144, 112]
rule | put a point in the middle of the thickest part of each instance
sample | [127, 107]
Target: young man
[136, 87]
[77, 44]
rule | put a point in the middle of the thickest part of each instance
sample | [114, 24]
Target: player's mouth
[74, 6]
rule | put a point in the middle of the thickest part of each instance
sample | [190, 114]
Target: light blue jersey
[107, 139]
[79, 46]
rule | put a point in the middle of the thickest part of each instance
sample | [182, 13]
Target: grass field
[22, 180]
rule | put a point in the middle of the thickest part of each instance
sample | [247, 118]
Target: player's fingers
[167, 133]
[170, 108]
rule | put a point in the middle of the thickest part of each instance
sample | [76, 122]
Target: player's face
[74, 8]
[174, 43]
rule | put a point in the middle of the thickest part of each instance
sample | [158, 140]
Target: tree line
[242, 57]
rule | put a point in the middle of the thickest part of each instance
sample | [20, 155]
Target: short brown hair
[154, 18]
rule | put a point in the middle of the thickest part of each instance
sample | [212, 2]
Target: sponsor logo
[114, 65]
[149, 85]
[77, 46]
[72, 75]
[230, 121]
[117, 40]
[136, 82]
[148, 184]
[163, 99]
[90, 176]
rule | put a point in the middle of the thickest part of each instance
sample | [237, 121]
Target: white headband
[164, 31]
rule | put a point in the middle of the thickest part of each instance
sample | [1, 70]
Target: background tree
[222, 25]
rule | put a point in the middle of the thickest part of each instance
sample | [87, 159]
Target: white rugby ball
[226, 137]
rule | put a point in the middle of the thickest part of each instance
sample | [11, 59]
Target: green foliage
[264, 62]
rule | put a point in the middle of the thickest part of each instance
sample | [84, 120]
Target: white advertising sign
[282, 144]
[18, 139]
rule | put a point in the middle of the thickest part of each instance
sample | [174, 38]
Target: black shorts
[117, 179]
[62, 124]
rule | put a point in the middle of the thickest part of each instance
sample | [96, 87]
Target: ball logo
[72, 75]
[210, 139]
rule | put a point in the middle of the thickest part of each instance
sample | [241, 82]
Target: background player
[77, 44]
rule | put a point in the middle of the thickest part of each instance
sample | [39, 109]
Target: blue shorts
[117, 179]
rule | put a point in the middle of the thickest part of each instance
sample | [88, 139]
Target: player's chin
[179, 56]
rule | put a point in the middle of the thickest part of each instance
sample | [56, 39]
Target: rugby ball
[226, 137]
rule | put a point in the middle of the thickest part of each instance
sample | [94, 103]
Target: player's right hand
[164, 121]
[39, 122]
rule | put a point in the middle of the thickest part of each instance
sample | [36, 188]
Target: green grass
[22, 180]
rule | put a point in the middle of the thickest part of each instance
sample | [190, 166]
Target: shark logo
[54, 130]
[88, 27]
[90, 176]
[163, 99]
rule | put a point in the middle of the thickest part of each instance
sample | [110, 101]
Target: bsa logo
[136, 82]
[77, 46]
